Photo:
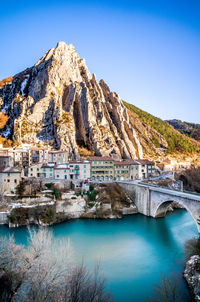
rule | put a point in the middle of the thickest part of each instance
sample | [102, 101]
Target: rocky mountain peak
[57, 102]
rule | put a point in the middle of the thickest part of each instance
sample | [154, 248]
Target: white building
[61, 172]
[79, 170]
[35, 170]
[58, 157]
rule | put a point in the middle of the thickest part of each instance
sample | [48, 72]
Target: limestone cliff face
[58, 102]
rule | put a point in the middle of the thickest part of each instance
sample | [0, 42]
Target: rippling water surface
[133, 251]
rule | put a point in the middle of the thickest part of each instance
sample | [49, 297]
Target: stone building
[35, 170]
[58, 157]
[9, 179]
[102, 168]
[147, 168]
[121, 170]
[47, 170]
[38, 155]
[61, 172]
[79, 170]
[6, 161]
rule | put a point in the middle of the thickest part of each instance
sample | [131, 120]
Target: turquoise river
[133, 251]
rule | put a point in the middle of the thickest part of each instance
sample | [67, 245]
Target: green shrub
[91, 204]
[73, 197]
[91, 187]
[57, 193]
[49, 185]
[92, 195]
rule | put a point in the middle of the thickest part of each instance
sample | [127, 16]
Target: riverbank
[133, 251]
[110, 201]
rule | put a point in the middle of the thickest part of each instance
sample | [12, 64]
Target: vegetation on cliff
[176, 141]
[192, 130]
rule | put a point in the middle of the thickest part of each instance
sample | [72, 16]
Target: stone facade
[9, 179]
[58, 157]
[102, 168]
[121, 170]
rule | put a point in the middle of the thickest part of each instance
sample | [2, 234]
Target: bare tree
[169, 290]
[192, 247]
[46, 272]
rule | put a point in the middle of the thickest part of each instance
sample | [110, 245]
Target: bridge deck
[165, 191]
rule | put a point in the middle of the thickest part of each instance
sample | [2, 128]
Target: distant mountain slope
[190, 129]
[176, 141]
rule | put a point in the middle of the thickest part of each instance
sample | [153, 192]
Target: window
[31, 169]
[51, 169]
[84, 166]
[8, 180]
[15, 181]
[44, 169]
[57, 176]
[51, 174]
[31, 174]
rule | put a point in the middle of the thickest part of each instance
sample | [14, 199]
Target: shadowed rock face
[58, 102]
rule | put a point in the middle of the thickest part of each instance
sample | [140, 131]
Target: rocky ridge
[57, 102]
[192, 275]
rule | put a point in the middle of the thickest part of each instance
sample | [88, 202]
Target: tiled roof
[38, 148]
[145, 162]
[49, 165]
[101, 158]
[61, 166]
[10, 170]
[57, 151]
[122, 163]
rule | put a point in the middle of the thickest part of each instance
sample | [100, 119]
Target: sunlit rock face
[57, 102]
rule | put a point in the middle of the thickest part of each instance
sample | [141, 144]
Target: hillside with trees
[177, 142]
[192, 130]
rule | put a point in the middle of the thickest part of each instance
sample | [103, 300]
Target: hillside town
[30, 162]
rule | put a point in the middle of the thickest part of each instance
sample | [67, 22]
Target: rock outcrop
[57, 102]
[192, 276]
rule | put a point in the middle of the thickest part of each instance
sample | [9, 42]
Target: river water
[133, 251]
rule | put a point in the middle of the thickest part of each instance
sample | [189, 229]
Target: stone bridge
[155, 201]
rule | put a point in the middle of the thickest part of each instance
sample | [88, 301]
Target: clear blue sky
[147, 51]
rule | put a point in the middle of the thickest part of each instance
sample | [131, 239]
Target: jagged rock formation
[192, 276]
[58, 102]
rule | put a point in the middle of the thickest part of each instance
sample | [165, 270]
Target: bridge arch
[154, 201]
[162, 208]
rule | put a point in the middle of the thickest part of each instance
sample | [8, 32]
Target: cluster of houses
[54, 166]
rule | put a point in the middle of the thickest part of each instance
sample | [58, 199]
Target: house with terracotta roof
[35, 170]
[121, 170]
[102, 168]
[47, 170]
[58, 157]
[61, 172]
[79, 170]
[38, 155]
[9, 179]
[146, 168]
